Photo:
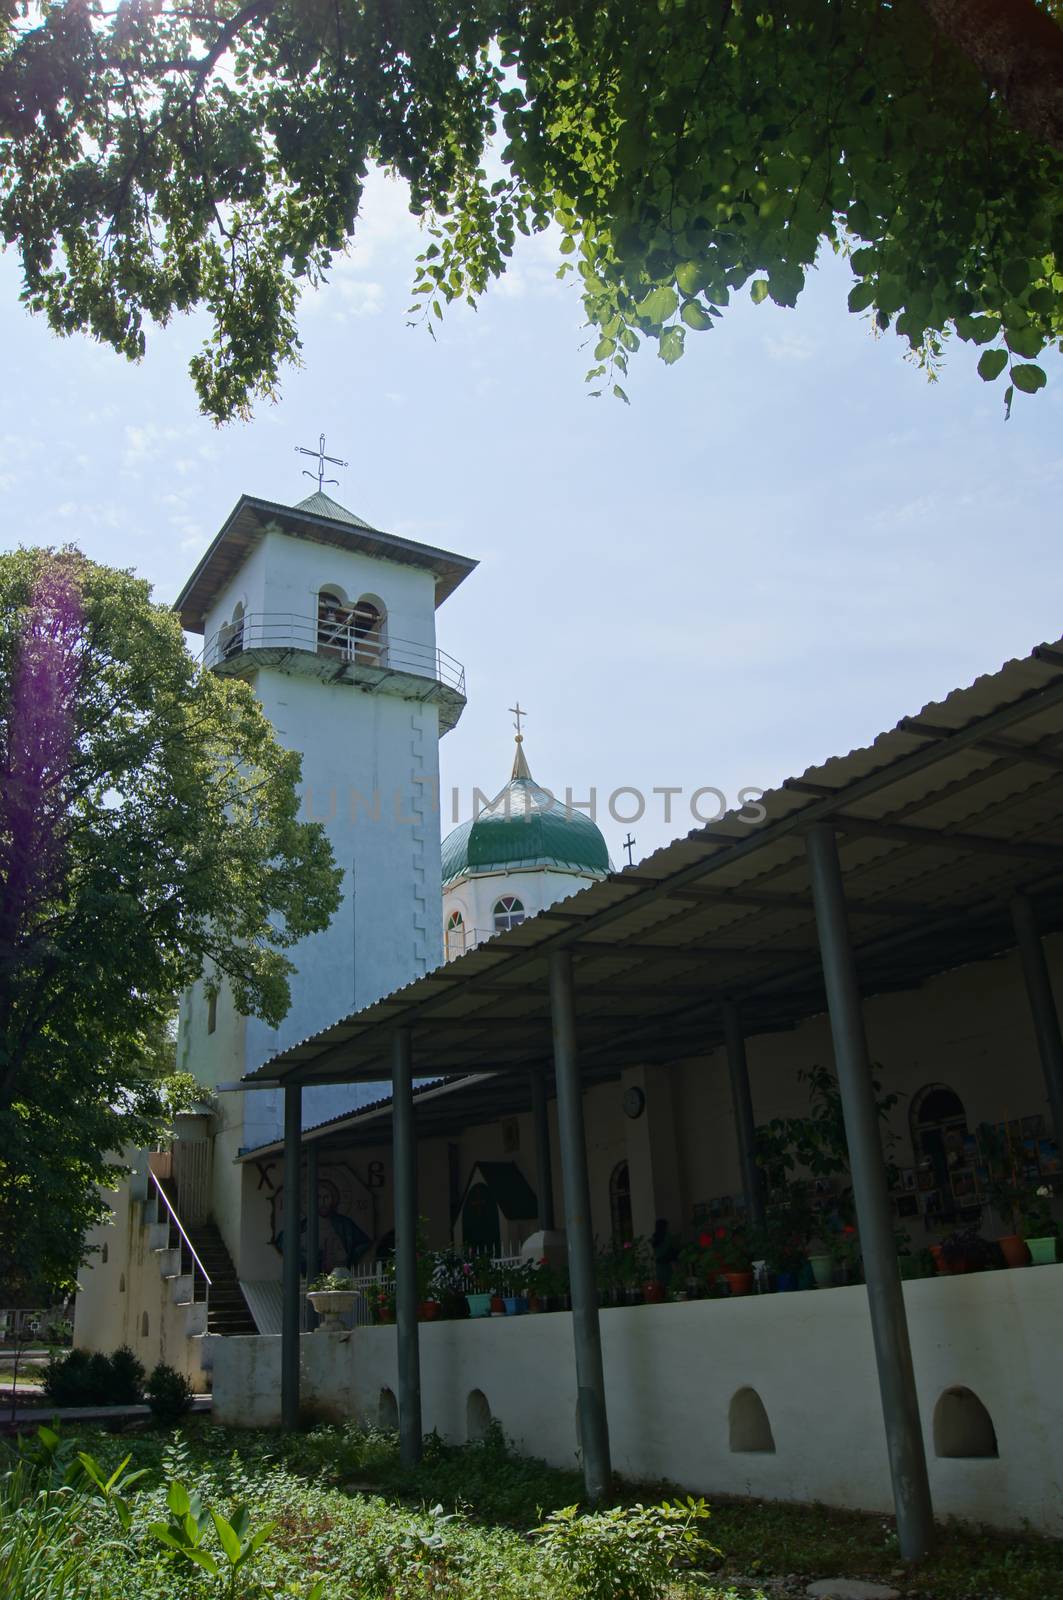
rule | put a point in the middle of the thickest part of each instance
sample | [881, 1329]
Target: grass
[457, 1526]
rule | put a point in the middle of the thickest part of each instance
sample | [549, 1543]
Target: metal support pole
[1042, 1004]
[742, 1098]
[590, 1378]
[544, 1172]
[889, 1325]
[312, 1237]
[293, 1135]
[405, 1164]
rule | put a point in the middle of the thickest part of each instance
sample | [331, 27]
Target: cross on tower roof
[518, 713]
[301, 450]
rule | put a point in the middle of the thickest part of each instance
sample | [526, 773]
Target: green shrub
[169, 1394]
[88, 1378]
[628, 1550]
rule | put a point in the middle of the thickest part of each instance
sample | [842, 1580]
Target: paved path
[27, 1416]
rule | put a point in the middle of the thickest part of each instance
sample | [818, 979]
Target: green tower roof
[524, 827]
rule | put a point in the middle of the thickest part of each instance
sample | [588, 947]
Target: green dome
[524, 827]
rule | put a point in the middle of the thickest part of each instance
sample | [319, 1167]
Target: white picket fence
[362, 1281]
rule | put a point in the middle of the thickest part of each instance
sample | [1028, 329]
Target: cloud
[790, 346]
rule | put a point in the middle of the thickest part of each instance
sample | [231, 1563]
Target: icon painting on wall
[346, 1220]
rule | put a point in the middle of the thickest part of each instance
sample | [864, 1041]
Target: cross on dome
[520, 765]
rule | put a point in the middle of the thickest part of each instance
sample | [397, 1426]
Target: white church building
[598, 1052]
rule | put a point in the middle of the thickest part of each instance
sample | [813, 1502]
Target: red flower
[704, 1239]
[848, 1228]
[721, 1233]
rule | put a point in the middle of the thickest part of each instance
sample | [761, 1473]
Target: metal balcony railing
[339, 641]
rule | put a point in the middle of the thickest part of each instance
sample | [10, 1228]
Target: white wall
[672, 1370]
[114, 1296]
[284, 575]
[476, 896]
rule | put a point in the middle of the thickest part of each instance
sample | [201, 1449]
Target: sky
[787, 542]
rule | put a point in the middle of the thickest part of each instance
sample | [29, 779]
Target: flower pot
[428, 1310]
[740, 1282]
[653, 1293]
[498, 1306]
[385, 1315]
[479, 1305]
[632, 1296]
[1042, 1251]
[331, 1305]
[1014, 1250]
[515, 1305]
[536, 1303]
[785, 1282]
[822, 1271]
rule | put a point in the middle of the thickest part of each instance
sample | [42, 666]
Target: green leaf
[758, 290]
[659, 304]
[861, 296]
[991, 364]
[694, 317]
[690, 277]
[1025, 342]
[1028, 378]
[568, 244]
[984, 328]
[227, 1537]
[1015, 277]
[671, 345]
[203, 1559]
[1009, 395]
[177, 1499]
[620, 395]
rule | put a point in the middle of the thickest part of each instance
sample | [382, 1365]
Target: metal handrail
[176, 1222]
[264, 630]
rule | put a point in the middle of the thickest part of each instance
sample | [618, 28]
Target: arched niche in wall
[121, 1283]
[963, 1428]
[103, 1256]
[477, 1416]
[750, 1429]
[454, 935]
[144, 1325]
[388, 1411]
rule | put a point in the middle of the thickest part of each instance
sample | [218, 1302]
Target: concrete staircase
[227, 1310]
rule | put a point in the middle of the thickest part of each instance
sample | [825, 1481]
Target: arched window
[333, 624]
[620, 1204]
[509, 913]
[103, 1256]
[144, 1325]
[455, 935]
[369, 627]
[232, 634]
[942, 1147]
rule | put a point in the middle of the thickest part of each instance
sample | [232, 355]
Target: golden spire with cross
[520, 765]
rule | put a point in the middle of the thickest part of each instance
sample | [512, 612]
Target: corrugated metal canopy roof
[248, 521]
[940, 822]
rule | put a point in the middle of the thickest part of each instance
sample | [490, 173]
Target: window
[620, 1205]
[369, 624]
[943, 1154]
[232, 634]
[454, 938]
[212, 1011]
[509, 913]
[333, 624]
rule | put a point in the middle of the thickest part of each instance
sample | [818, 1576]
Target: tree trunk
[1018, 49]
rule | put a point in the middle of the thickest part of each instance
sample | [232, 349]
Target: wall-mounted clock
[634, 1102]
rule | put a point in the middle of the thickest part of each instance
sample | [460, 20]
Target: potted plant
[731, 1250]
[1039, 1227]
[963, 1251]
[843, 1246]
[515, 1298]
[332, 1296]
[631, 1270]
[380, 1295]
[475, 1272]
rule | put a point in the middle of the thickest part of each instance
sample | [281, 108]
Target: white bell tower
[332, 622]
